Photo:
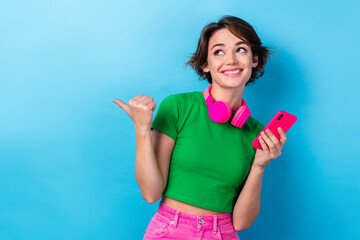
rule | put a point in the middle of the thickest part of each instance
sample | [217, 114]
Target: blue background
[67, 153]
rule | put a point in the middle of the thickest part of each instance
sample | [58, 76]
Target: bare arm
[247, 206]
[152, 163]
[153, 151]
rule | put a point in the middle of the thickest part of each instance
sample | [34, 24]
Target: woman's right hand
[140, 110]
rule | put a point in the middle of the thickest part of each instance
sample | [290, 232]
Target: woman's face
[229, 60]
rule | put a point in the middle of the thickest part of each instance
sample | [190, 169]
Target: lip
[232, 74]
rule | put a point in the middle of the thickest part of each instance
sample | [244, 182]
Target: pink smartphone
[282, 119]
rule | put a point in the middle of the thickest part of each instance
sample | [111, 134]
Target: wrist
[258, 167]
[142, 132]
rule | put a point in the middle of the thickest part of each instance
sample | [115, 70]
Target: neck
[233, 96]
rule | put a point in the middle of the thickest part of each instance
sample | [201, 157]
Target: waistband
[205, 221]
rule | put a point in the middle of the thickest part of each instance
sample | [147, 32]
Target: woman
[199, 157]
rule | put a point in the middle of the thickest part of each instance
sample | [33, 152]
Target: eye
[241, 48]
[218, 52]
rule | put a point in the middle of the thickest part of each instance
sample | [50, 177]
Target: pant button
[201, 221]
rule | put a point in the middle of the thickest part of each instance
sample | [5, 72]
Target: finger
[282, 136]
[273, 139]
[152, 106]
[268, 142]
[148, 100]
[138, 100]
[121, 104]
[263, 144]
[135, 99]
[141, 97]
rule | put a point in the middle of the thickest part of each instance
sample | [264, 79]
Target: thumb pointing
[121, 104]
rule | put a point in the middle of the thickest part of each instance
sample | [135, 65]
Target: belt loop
[176, 219]
[215, 227]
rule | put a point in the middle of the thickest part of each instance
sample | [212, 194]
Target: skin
[153, 151]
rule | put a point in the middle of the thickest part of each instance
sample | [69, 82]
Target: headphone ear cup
[219, 111]
[240, 116]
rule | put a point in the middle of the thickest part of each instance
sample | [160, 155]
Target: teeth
[230, 72]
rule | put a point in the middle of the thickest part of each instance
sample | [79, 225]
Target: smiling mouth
[232, 73]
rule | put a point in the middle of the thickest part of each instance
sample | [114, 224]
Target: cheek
[213, 64]
[245, 59]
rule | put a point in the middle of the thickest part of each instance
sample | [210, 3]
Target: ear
[206, 68]
[255, 61]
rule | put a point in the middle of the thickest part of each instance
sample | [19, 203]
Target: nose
[231, 59]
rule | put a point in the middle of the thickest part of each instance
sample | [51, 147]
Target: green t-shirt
[210, 161]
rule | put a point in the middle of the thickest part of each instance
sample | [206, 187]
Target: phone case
[282, 119]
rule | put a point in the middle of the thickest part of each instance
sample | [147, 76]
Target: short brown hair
[239, 28]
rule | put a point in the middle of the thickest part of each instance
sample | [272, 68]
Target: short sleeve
[167, 116]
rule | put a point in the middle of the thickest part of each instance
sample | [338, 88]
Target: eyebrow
[221, 44]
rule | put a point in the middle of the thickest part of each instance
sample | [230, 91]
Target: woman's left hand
[271, 147]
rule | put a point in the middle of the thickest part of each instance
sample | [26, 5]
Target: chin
[233, 84]
[230, 85]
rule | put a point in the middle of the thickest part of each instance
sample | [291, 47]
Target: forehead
[225, 37]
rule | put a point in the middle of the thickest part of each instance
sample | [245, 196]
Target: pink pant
[169, 223]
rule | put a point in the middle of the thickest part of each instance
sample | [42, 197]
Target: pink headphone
[220, 111]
